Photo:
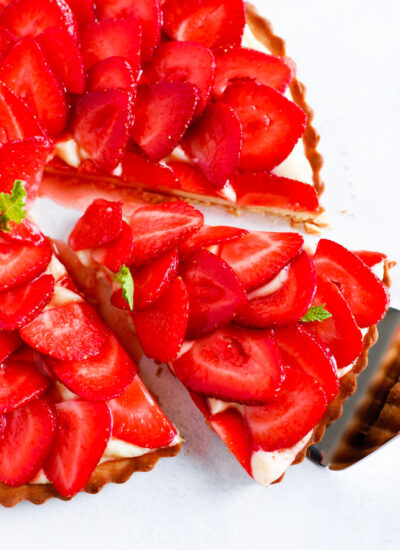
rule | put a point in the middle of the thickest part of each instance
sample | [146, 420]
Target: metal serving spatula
[351, 438]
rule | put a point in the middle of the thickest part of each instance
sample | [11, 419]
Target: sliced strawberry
[271, 124]
[7, 40]
[100, 224]
[215, 293]
[136, 168]
[300, 349]
[192, 179]
[163, 113]
[21, 304]
[83, 10]
[363, 291]
[233, 364]
[116, 253]
[72, 332]
[21, 263]
[25, 354]
[19, 383]
[210, 22]
[209, 236]
[183, 62]
[260, 255]
[24, 232]
[138, 419]
[101, 377]
[291, 416]
[370, 257]
[160, 227]
[113, 72]
[27, 73]
[214, 143]
[100, 125]
[84, 429]
[339, 332]
[109, 38]
[26, 442]
[286, 305]
[64, 56]
[9, 342]
[146, 12]
[161, 329]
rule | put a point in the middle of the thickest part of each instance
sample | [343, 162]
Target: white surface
[347, 53]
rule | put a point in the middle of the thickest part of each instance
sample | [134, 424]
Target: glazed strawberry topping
[118, 252]
[83, 10]
[209, 236]
[112, 72]
[7, 39]
[20, 263]
[20, 382]
[9, 342]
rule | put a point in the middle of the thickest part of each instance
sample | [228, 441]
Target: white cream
[56, 269]
[63, 296]
[228, 193]
[69, 152]
[272, 286]
[217, 406]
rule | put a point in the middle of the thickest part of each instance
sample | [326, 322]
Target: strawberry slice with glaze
[271, 124]
[113, 72]
[244, 63]
[163, 113]
[370, 257]
[21, 304]
[183, 62]
[136, 168]
[72, 332]
[291, 416]
[161, 328]
[84, 429]
[116, 253]
[259, 256]
[191, 179]
[211, 22]
[26, 442]
[233, 364]
[214, 143]
[215, 293]
[20, 382]
[209, 236]
[7, 40]
[9, 342]
[286, 305]
[24, 232]
[300, 349]
[83, 10]
[363, 291]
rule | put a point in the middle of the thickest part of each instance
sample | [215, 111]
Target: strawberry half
[286, 305]
[215, 293]
[210, 22]
[7, 40]
[116, 253]
[210, 235]
[72, 332]
[24, 232]
[291, 416]
[214, 143]
[271, 124]
[26, 442]
[259, 256]
[9, 342]
[136, 168]
[138, 419]
[113, 72]
[163, 113]
[20, 382]
[363, 291]
[161, 328]
[233, 364]
[84, 429]
[83, 10]
[191, 179]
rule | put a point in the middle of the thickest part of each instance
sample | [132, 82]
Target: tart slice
[74, 414]
[266, 332]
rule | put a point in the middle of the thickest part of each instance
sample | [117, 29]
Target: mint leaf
[12, 207]
[124, 278]
[316, 313]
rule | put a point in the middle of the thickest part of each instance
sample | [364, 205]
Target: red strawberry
[302, 350]
[25, 354]
[271, 124]
[109, 38]
[7, 40]
[83, 10]
[260, 255]
[116, 253]
[369, 257]
[21, 304]
[19, 383]
[113, 72]
[136, 168]
[160, 227]
[21, 263]
[183, 62]
[101, 377]
[286, 420]
[24, 232]
[286, 305]
[2, 424]
[244, 63]
[363, 291]
[146, 12]
[215, 293]
[27, 73]
[161, 329]
[210, 22]
[339, 332]
[192, 179]
[72, 332]
[163, 112]
[214, 143]
[84, 429]
[100, 224]
[138, 419]
[233, 364]
[26, 442]
[209, 236]
[9, 342]
[100, 125]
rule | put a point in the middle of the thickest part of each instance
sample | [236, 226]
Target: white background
[347, 52]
